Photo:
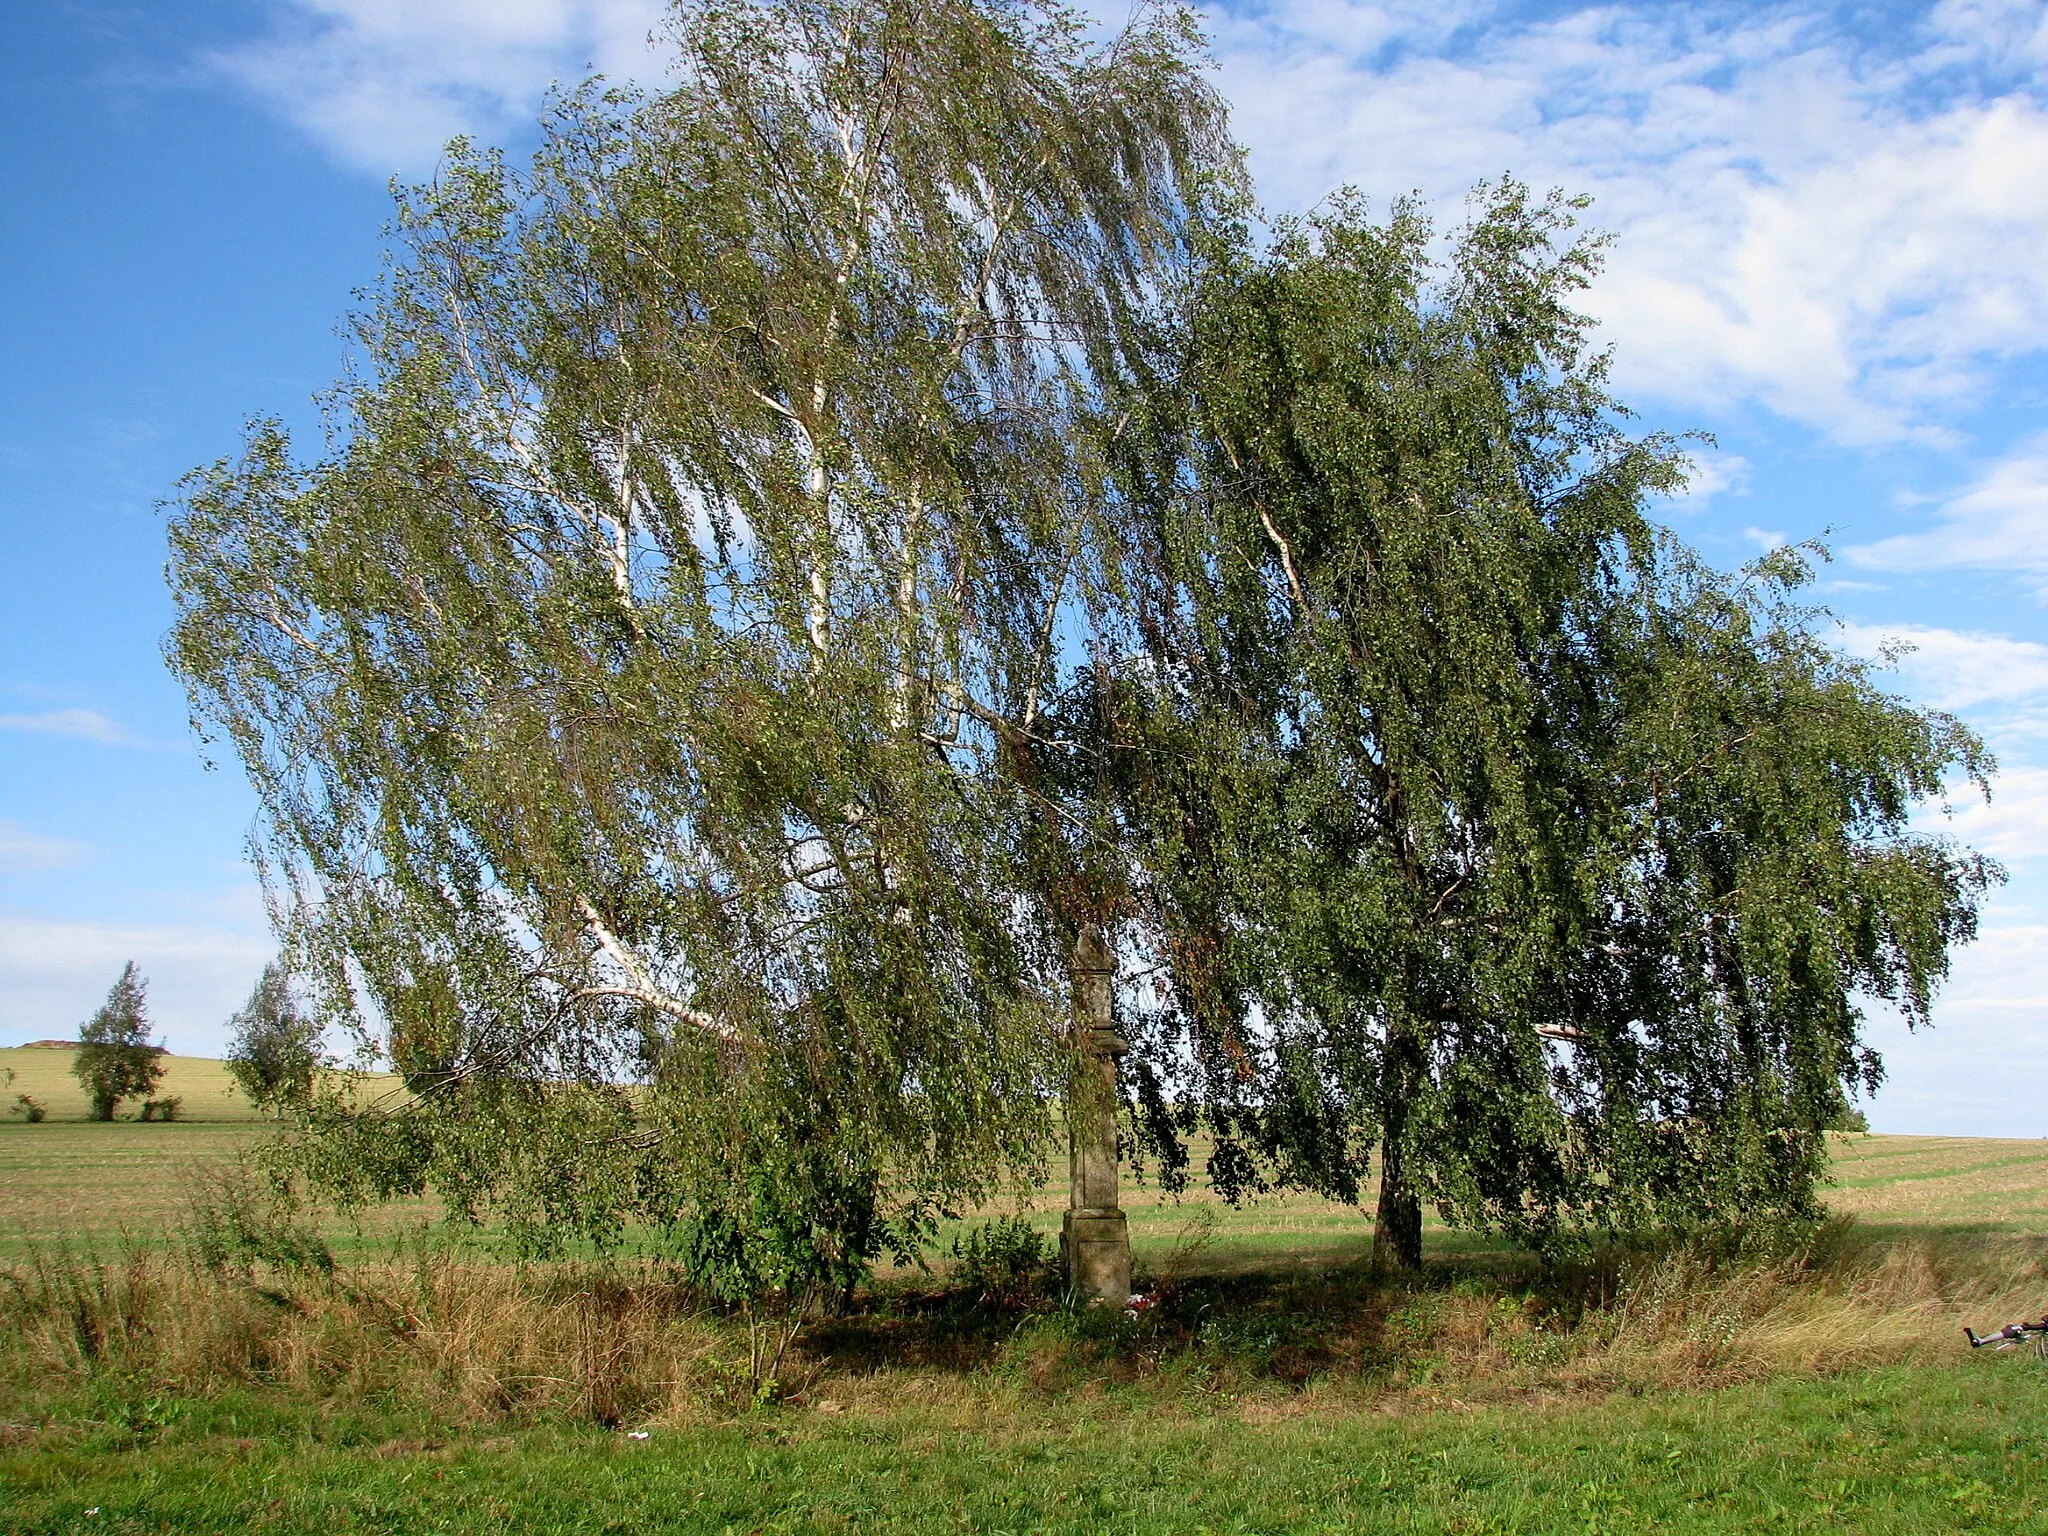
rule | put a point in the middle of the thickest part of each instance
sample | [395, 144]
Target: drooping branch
[640, 986]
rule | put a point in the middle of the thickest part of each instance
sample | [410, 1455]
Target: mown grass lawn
[1957, 1449]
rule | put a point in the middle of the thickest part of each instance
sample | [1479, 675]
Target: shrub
[235, 1223]
[1006, 1262]
[796, 1234]
[30, 1109]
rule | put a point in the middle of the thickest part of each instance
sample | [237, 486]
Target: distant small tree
[115, 1058]
[273, 1048]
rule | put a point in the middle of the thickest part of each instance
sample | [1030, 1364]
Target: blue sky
[1829, 231]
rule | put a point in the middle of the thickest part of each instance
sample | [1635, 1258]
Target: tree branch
[642, 988]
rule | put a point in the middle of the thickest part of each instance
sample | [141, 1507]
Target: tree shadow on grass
[1815, 1296]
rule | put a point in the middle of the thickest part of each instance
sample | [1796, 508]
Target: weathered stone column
[1095, 1238]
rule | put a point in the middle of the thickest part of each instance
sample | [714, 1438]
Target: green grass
[1889, 1451]
[1307, 1401]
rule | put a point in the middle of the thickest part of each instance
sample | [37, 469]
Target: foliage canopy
[1546, 863]
[827, 532]
[273, 1045]
[645, 685]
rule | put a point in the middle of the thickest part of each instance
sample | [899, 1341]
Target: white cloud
[1993, 31]
[385, 83]
[2000, 523]
[2005, 683]
[22, 849]
[1844, 229]
[53, 974]
[1799, 226]
[1711, 475]
[83, 724]
[1949, 669]
[2012, 826]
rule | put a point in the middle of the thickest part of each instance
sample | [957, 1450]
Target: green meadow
[1811, 1381]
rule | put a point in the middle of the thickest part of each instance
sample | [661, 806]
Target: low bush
[1005, 1263]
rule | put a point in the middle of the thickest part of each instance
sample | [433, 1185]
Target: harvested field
[72, 1179]
[76, 1180]
[1942, 1181]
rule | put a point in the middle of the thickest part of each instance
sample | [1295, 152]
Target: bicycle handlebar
[2006, 1337]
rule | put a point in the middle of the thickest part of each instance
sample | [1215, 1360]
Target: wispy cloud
[2012, 825]
[2000, 523]
[1841, 227]
[1954, 669]
[1713, 474]
[22, 849]
[83, 724]
[2002, 684]
[1950, 1081]
[54, 973]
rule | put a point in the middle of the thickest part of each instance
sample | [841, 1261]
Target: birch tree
[644, 681]
[1503, 851]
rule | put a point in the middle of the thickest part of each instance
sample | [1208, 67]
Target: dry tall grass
[468, 1339]
[1837, 1300]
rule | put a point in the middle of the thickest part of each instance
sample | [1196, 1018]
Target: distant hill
[42, 1069]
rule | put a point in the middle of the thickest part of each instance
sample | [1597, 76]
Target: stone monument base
[1096, 1245]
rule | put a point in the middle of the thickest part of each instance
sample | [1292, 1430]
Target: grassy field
[1278, 1386]
[1887, 1454]
[72, 1179]
[69, 1178]
[206, 1093]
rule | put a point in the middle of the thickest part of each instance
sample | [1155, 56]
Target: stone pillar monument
[1095, 1239]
